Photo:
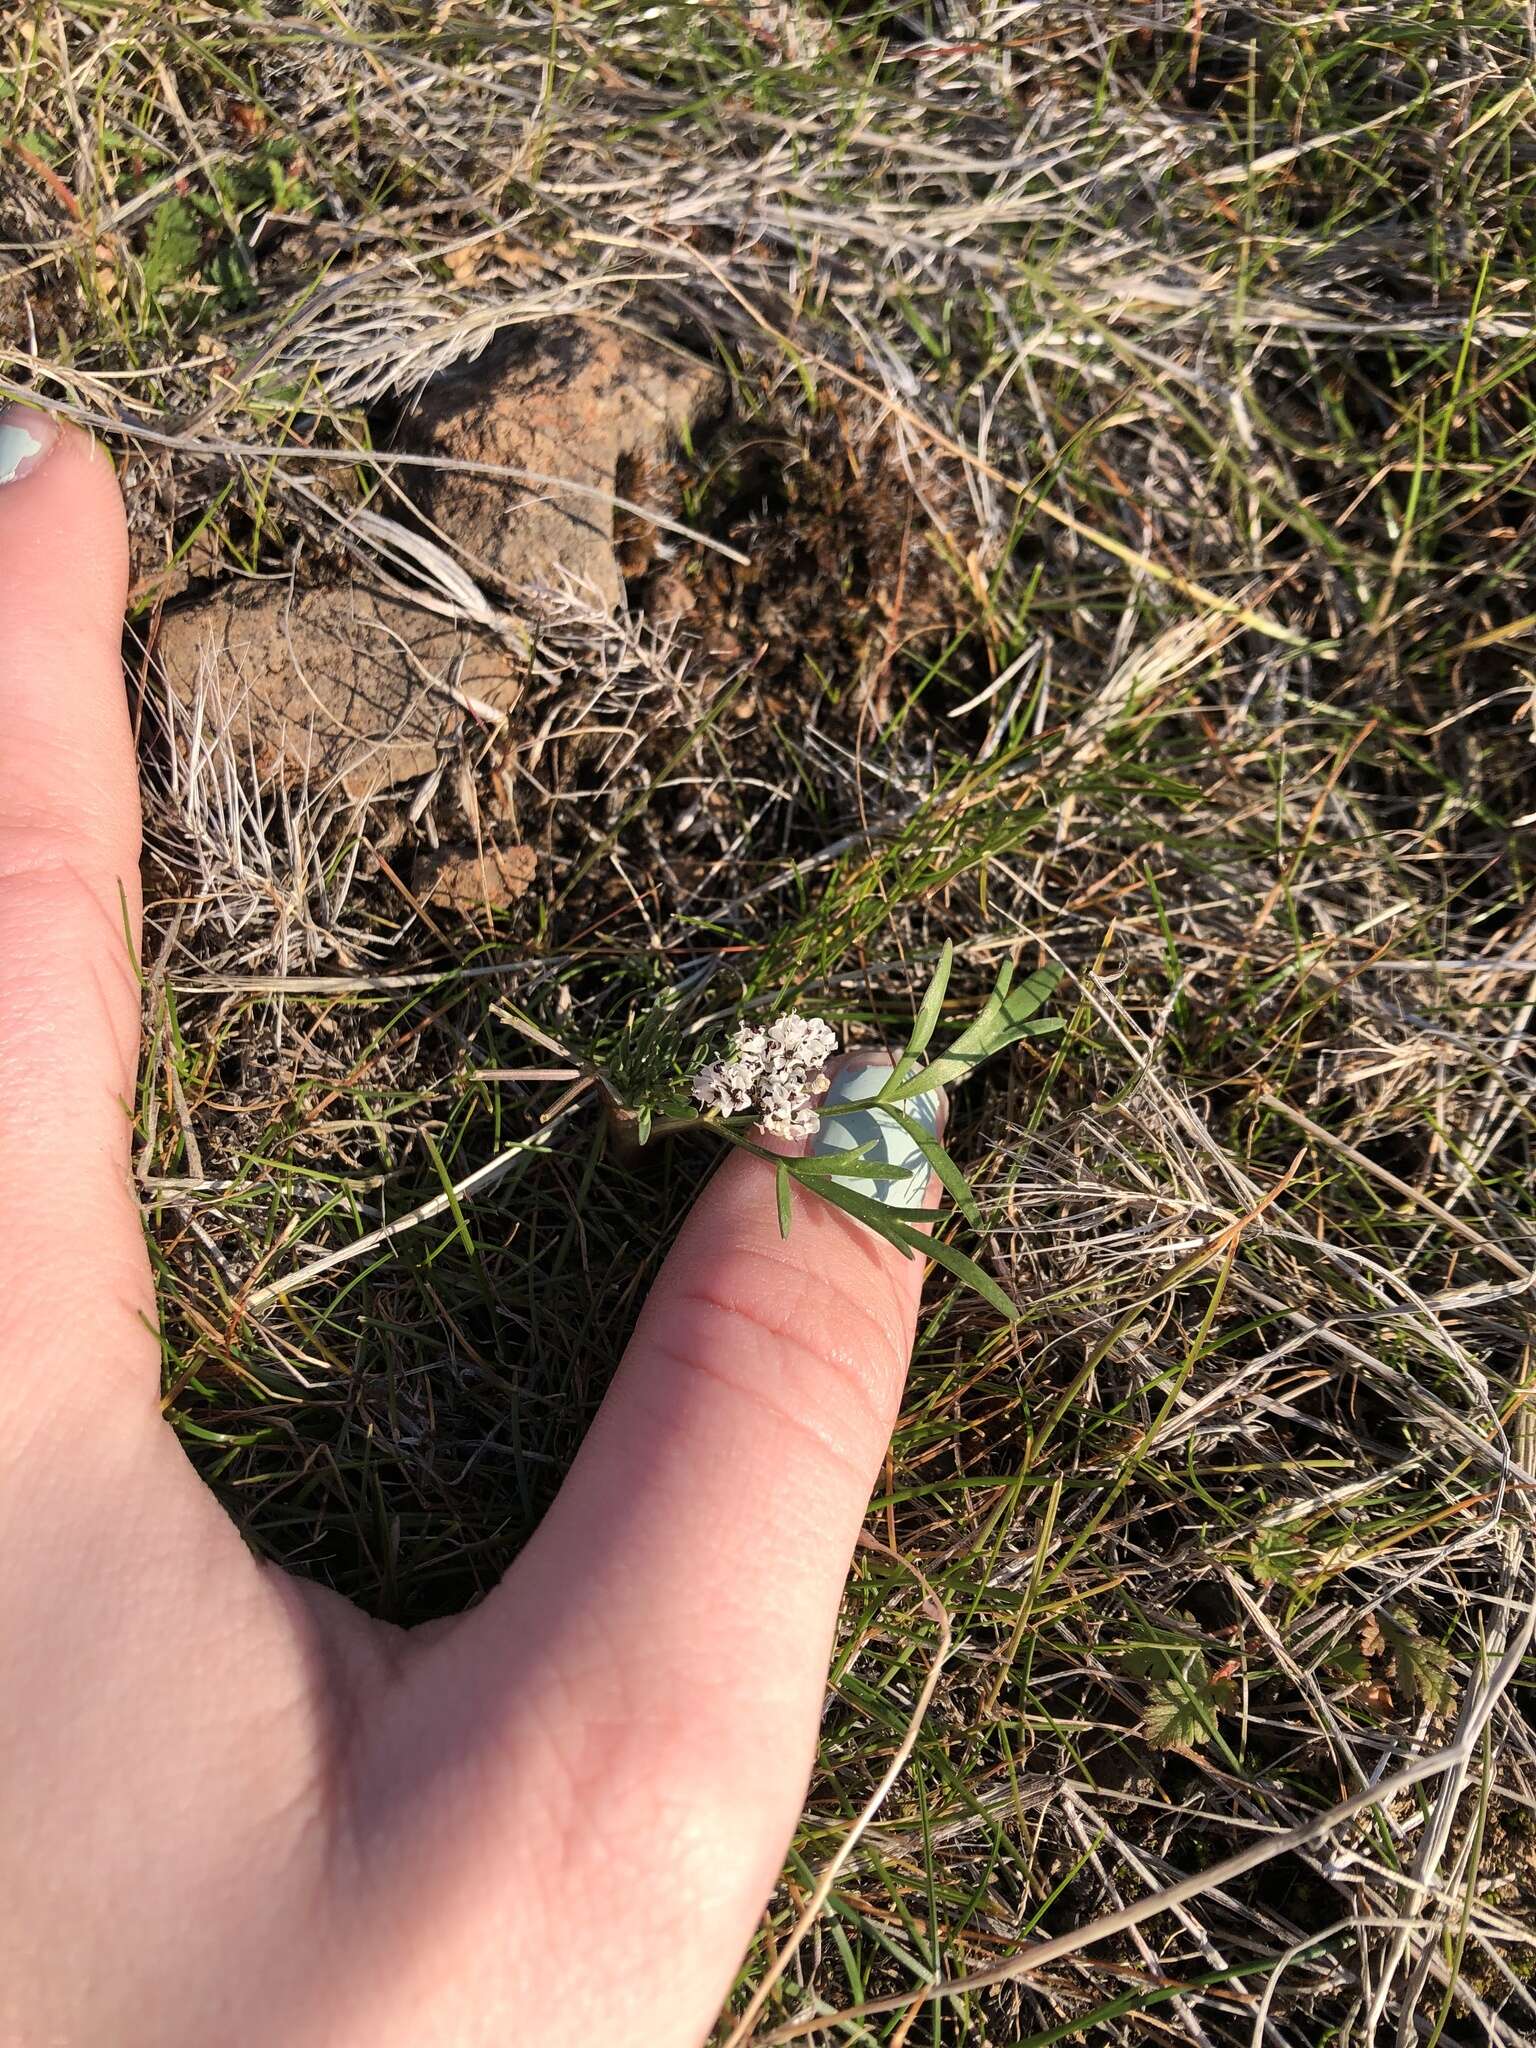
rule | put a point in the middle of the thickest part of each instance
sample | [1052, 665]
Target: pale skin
[233, 1809]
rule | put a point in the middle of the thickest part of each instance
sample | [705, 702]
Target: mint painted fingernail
[889, 1145]
[27, 438]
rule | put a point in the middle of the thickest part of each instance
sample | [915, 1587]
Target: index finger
[72, 1265]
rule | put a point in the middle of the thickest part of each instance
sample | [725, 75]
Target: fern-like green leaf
[1421, 1668]
[1182, 1703]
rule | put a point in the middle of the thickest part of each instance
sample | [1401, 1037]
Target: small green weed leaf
[784, 1190]
[172, 244]
[1421, 1668]
[1183, 1703]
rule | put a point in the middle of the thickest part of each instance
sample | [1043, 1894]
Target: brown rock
[347, 683]
[588, 406]
[472, 879]
[335, 683]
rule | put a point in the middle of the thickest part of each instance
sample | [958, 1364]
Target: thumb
[678, 1604]
[733, 1459]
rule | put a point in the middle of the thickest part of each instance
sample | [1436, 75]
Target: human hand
[232, 1808]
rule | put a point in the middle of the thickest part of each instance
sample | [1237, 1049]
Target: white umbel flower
[806, 1042]
[713, 1088]
[776, 1073]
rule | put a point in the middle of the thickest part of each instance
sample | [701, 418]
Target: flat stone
[333, 684]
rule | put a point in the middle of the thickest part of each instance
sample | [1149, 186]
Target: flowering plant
[770, 1078]
[776, 1074]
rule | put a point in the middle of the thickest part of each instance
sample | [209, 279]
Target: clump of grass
[1200, 343]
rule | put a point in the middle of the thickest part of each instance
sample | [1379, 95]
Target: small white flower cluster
[775, 1072]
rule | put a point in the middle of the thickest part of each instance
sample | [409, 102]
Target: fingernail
[889, 1145]
[27, 438]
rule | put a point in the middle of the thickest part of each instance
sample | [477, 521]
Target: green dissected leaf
[1183, 1700]
[1182, 1708]
[1177, 1717]
[785, 1193]
[1277, 1556]
[1421, 1668]
[173, 243]
[1348, 1661]
[227, 272]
